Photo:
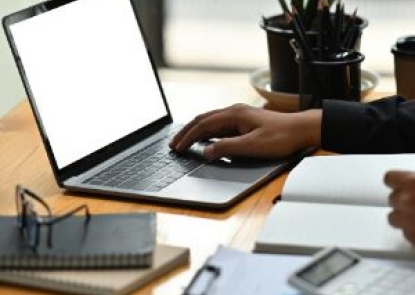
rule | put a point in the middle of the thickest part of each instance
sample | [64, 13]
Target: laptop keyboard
[151, 169]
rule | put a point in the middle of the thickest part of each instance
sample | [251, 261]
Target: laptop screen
[89, 74]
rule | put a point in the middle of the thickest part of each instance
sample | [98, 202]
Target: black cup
[335, 78]
[404, 52]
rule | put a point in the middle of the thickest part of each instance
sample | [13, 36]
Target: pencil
[301, 32]
[339, 27]
[327, 21]
[283, 5]
[348, 36]
[321, 32]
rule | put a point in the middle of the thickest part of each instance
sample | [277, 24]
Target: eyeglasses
[30, 221]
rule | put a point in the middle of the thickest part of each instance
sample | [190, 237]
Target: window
[226, 34]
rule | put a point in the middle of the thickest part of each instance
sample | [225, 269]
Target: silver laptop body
[102, 113]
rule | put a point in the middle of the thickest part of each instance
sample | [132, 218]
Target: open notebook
[100, 282]
[337, 201]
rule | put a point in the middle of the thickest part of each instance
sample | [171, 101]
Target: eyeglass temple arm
[49, 222]
[69, 214]
[37, 198]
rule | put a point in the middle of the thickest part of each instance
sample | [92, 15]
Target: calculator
[338, 271]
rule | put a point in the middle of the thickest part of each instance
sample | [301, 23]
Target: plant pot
[283, 67]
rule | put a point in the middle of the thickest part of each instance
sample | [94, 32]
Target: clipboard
[234, 272]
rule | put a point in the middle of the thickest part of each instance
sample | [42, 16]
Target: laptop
[102, 113]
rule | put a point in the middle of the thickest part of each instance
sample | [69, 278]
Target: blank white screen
[89, 74]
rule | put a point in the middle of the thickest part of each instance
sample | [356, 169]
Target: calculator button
[346, 289]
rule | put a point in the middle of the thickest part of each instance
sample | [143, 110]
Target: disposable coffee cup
[339, 78]
[404, 53]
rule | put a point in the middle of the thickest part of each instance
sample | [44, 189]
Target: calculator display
[327, 268]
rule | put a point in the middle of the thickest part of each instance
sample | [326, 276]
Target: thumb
[234, 146]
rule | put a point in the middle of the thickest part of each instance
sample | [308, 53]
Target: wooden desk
[23, 160]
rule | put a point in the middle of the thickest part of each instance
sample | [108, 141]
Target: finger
[403, 200]
[394, 199]
[399, 179]
[395, 219]
[211, 126]
[234, 146]
[402, 220]
[410, 236]
[187, 127]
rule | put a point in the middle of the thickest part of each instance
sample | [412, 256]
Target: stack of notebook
[112, 254]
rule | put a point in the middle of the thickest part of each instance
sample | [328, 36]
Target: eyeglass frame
[23, 205]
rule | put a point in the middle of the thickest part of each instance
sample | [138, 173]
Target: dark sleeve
[383, 126]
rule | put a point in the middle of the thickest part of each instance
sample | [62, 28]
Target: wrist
[309, 125]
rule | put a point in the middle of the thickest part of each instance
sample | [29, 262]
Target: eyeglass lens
[31, 225]
[19, 205]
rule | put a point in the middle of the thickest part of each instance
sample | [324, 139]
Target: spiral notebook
[106, 241]
[100, 282]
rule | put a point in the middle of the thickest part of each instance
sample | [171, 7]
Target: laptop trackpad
[245, 172]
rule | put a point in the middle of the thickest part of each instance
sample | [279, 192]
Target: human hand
[402, 201]
[249, 131]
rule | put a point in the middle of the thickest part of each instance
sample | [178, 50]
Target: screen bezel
[93, 159]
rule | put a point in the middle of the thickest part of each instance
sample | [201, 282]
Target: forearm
[384, 126]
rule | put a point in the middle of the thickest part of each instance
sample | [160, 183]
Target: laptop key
[95, 182]
[135, 183]
[153, 189]
[111, 183]
[156, 167]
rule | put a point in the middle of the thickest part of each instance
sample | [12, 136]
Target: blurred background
[222, 35]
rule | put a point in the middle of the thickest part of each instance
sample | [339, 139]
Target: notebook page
[348, 179]
[304, 228]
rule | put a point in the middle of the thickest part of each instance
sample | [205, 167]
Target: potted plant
[283, 67]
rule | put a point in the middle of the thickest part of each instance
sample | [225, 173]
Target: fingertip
[172, 145]
[178, 147]
[392, 219]
[209, 152]
[387, 177]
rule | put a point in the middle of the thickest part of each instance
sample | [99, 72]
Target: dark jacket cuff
[344, 126]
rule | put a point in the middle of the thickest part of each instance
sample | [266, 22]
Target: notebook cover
[107, 241]
[100, 282]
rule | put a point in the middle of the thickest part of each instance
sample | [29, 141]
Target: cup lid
[404, 46]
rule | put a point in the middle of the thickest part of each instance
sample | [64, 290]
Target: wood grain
[23, 160]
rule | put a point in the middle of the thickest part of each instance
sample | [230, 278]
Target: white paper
[305, 228]
[247, 274]
[348, 179]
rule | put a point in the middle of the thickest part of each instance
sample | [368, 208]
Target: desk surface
[23, 160]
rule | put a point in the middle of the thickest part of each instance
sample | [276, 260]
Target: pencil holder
[332, 79]
[283, 67]
[404, 53]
